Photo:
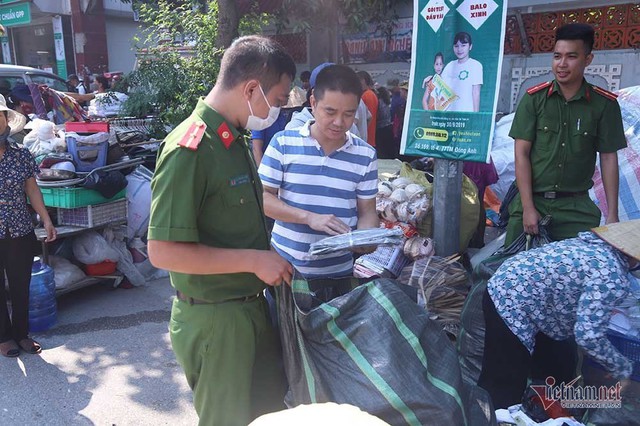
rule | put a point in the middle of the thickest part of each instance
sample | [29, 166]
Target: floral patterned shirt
[563, 289]
[16, 166]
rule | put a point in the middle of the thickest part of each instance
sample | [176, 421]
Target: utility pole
[447, 196]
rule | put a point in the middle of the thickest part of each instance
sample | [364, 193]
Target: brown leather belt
[552, 195]
[193, 301]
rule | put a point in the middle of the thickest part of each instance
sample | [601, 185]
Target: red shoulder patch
[225, 134]
[193, 137]
[607, 94]
[539, 87]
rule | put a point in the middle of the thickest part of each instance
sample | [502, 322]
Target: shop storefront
[38, 34]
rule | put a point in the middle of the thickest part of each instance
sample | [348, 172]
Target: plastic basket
[69, 198]
[103, 268]
[94, 215]
[627, 346]
[87, 157]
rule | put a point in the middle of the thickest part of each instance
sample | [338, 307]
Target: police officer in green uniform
[558, 128]
[207, 228]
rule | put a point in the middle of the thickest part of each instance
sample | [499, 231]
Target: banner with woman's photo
[455, 78]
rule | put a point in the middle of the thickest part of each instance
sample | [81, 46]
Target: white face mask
[256, 123]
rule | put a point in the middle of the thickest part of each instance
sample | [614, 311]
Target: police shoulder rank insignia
[193, 137]
[539, 87]
[607, 94]
[225, 134]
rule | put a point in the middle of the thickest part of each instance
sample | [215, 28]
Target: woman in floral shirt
[563, 290]
[17, 182]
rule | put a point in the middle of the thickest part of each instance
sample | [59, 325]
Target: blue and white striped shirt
[306, 178]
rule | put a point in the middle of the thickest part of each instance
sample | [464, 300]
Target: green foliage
[181, 61]
[302, 15]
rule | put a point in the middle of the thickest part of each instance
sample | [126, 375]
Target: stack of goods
[443, 285]
[401, 204]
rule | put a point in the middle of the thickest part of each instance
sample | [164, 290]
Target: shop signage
[6, 51]
[455, 76]
[58, 40]
[17, 14]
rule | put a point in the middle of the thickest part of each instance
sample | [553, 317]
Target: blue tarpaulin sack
[375, 348]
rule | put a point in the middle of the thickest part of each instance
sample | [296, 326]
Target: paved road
[108, 361]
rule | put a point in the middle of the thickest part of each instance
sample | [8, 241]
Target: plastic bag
[138, 202]
[65, 272]
[90, 247]
[470, 342]
[469, 207]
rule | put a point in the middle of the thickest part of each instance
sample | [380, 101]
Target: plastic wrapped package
[357, 238]
[91, 247]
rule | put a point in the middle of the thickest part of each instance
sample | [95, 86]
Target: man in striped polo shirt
[321, 180]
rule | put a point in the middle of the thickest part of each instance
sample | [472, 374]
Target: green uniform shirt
[212, 196]
[566, 135]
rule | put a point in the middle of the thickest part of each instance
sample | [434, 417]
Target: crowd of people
[378, 120]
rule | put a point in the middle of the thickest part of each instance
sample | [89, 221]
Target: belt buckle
[550, 195]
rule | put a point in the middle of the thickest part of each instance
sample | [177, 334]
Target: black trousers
[507, 364]
[16, 258]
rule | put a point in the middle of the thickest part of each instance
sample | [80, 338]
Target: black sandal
[30, 346]
[9, 349]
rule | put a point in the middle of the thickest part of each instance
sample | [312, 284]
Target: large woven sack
[376, 349]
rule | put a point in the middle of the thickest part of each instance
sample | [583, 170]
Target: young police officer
[207, 228]
[559, 127]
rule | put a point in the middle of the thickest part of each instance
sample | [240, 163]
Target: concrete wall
[120, 33]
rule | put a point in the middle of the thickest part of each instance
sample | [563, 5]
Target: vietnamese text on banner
[455, 78]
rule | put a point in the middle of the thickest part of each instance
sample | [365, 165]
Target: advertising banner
[58, 40]
[455, 76]
[374, 46]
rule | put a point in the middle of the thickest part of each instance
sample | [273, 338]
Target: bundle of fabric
[63, 107]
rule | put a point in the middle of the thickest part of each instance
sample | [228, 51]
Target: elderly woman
[17, 237]
[540, 300]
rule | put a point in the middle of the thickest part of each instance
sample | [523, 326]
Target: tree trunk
[228, 22]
